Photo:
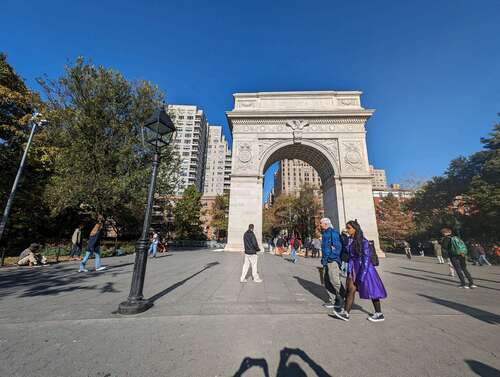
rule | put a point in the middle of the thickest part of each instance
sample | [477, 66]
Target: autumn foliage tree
[394, 223]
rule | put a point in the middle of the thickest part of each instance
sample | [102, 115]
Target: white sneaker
[243, 280]
[84, 270]
[343, 315]
[376, 317]
[102, 268]
[259, 280]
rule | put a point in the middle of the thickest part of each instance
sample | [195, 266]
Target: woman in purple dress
[361, 275]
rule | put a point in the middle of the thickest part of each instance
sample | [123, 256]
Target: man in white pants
[251, 248]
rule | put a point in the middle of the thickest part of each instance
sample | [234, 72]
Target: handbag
[373, 255]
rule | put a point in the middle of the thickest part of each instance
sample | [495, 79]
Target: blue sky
[431, 69]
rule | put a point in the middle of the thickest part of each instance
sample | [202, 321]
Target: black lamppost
[36, 121]
[159, 130]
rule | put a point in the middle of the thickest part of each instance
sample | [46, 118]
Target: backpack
[458, 246]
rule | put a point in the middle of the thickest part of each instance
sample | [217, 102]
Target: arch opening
[326, 190]
[306, 153]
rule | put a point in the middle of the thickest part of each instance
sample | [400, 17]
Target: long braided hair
[358, 237]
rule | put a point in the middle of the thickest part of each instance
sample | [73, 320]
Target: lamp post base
[136, 307]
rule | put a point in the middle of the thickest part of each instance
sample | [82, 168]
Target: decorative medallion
[353, 159]
[245, 153]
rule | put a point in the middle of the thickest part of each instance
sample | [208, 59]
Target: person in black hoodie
[251, 248]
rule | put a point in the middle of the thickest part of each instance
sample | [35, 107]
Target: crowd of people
[32, 257]
[346, 260]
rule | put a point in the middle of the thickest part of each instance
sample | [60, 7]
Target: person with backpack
[457, 252]
[331, 248]
[361, 275]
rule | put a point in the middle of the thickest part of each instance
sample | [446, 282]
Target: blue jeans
[482, 260]
[153, 248]
[88, 253]
[293, 254]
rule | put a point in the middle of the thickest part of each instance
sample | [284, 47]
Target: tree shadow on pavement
[286, 368]
[109, 287]
[482, 369]
[44, 281]
[421, 278]
[159, 295]
[479, 314]
[456, 281]
[437, 273]
[47, 290]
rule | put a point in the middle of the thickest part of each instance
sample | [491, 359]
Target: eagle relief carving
[297, 127]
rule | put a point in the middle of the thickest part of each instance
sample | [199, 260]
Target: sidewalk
[57, 322]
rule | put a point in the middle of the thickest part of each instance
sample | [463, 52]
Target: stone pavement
[55, 321]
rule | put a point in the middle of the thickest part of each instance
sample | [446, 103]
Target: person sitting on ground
[31, 256]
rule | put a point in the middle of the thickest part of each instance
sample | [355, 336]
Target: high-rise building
[227, 170]
[190, 143]
[292, 175]
[217, 174]
[379, 181]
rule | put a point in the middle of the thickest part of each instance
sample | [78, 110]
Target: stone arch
[325, 129]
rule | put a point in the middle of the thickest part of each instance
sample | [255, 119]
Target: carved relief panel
[352, 157]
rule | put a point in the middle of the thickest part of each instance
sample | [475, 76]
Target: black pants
[460, 265]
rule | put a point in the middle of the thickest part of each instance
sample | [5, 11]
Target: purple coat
[361, 270]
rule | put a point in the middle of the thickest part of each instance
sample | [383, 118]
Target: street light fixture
[159, 130]
[36, 121]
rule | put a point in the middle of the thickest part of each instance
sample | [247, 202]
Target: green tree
[187, 213]
[284, 213]
[219, 214]
[474, 183]
[28, 218]
[393, 222]
[307, 208]
[102, 165]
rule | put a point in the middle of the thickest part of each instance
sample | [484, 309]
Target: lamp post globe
[159, 130]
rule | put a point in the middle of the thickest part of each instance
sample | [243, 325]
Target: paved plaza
[55, 321]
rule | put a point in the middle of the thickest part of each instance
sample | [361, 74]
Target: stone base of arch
[344, 199]
[245, 207]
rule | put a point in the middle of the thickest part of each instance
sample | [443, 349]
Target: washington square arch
[325, 129]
